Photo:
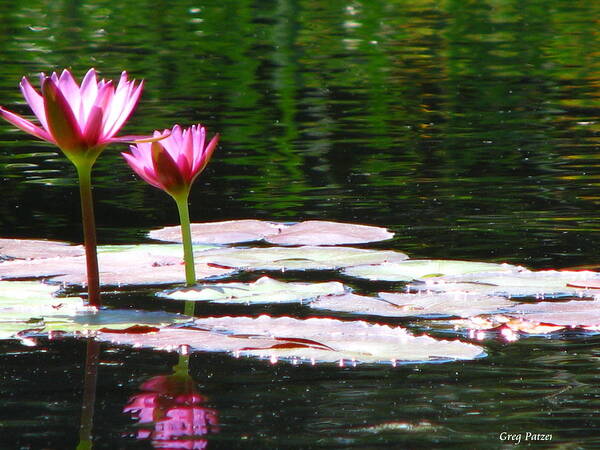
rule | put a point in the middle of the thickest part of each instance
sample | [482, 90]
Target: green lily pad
[525, 283]
[263, 290]
[418, 305]
[312, 232]
[146, 264]
[295, 340]
[426, 268]
[297, 258]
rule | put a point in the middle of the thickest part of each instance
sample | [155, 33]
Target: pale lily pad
[263, 290]
[153, 249]
[228, 232]
[418, 305]
[297, 258]
[27, 305]
[424, 268]
[113, 319]
[525, 283]
[319, 232]
[295, 340]
[312, 232]
[131, 265]
[574, 313]
[32, 249]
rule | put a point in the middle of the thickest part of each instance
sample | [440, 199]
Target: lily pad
[129, 265]
[27, 305]
[319, 232]
[113, 319]
[32, 249]
[263, 290]
[295, 340]
[228, 232]
[423, 268]
[574, 313]
[297, 258]
[311, 232]
[418, 305]
[525, 283]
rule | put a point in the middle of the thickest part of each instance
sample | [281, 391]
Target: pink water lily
[176, 161]
[172, 165]
[80, 120]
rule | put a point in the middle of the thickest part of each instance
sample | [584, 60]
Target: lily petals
[61, 120]
[173, 163]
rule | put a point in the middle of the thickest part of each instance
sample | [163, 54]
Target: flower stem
[186, 238]
[84, 171]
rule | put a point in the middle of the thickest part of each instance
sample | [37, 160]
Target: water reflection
[171, 413]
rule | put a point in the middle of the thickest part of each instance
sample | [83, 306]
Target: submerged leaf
[315, 339]
[263, 290]
[297, 258]
[423, 268]
[312, 232]
[390, 304]
[147, 264]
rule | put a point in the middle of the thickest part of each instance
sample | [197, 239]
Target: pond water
[470, 129]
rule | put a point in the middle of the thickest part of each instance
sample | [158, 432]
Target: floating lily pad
[297, 258]
[312, 232]
[574, 313]
[228, 232]
[423, 268]
[315, 339]
[32, 249]
[153, 249]
[319, 232]
[525, 283]
[27, 305]
[404, 305]
[129, 265]
[263, 290]
[113, 319]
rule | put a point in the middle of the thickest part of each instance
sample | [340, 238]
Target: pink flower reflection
[172, 411]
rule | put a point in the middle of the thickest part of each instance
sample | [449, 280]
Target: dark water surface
[469, 128]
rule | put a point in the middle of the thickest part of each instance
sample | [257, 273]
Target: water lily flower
[81, 120]
[172, 165]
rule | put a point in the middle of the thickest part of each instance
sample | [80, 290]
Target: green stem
[186, 238]
[84, 171]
